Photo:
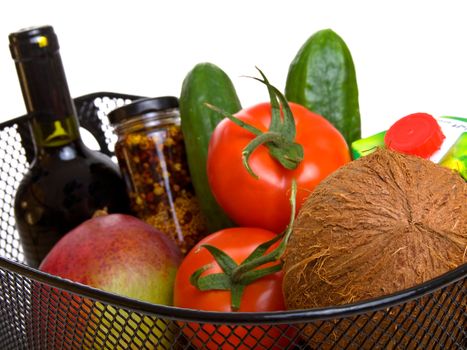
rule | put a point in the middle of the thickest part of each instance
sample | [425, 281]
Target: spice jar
[151, 155]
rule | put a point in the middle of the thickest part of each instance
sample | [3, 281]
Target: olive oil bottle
[67, 182]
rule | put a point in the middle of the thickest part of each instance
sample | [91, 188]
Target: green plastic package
[453, 151]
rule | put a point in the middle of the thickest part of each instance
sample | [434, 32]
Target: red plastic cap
[418, 134]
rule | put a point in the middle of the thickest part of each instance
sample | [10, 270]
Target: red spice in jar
[151, 154]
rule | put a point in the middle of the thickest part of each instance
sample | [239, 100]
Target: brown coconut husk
[378, 225]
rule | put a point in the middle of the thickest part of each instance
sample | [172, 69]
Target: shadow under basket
[40, 311]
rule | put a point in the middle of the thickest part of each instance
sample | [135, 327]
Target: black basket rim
[277, 317]
[78, 100]
[102, 94]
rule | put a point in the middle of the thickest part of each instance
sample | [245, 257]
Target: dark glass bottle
[67, 182]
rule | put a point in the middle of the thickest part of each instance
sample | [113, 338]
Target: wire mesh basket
[40, 311]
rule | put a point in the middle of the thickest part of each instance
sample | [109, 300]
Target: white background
[410, 56]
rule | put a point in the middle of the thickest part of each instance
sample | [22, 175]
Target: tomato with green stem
[237, 242]
[236, 269]
[254, 155]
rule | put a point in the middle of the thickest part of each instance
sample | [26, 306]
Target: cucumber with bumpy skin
[322, 78]
[205, 83]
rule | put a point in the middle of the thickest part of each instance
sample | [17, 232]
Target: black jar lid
[142, 106]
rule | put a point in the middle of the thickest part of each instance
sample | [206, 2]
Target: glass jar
[151, 155]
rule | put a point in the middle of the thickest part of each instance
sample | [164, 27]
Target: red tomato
[264, 202]
[264, 294]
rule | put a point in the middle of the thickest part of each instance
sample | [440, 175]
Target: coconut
[378, 225]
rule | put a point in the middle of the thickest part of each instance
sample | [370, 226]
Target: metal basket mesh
[39, 311]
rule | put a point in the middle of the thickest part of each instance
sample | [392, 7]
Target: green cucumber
[322, 78]
[205, 83]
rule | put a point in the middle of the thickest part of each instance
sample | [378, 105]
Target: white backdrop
[410, 56]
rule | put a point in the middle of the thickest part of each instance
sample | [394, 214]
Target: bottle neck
[49, 134]
[48, 102]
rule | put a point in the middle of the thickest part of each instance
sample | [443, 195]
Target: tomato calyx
[235, 277]
[279, 139]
